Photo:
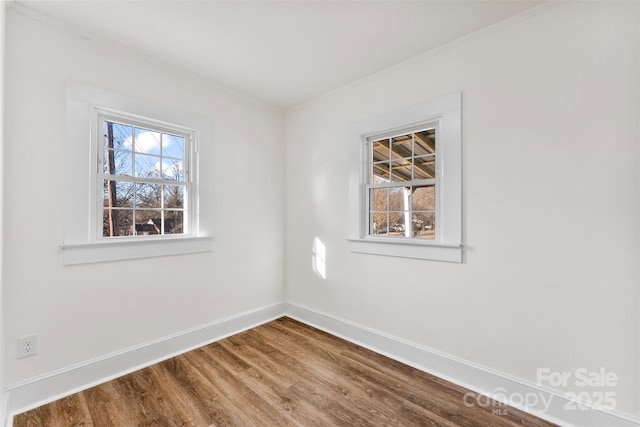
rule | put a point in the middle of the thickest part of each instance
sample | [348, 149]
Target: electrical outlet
[27, 346]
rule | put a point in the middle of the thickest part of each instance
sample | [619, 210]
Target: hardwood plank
[283, 373]
[205, 395]
[427, 393]
[352, 385]
[142, 406]
[169, 389]
[36, 417]
[103, 403]
[71, 410]
[239, 395]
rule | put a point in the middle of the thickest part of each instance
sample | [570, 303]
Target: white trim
[135, 107]
[472, 376]
[80, 207]
[445, 113]
[3, 32]
[392, 247]
[129, 248]
[6, 420]
[36, 391]
[99, 117]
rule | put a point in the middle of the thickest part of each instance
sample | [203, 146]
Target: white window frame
[102, 115]
[445, 114]
[369, 141]
[83, 242]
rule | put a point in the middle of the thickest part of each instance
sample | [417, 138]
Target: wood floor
[283, 373]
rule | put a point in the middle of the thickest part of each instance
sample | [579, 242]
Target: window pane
[379, 199]
[412, 157]
[172, 169]
[121, 136]
[147, 166]
[172, 146]
[117, 222]
[424, 167]
[425, 225]
[174, 222]
[401, 146]
[396, 221]
[381, 150]
[401, 170]
[425, 142]
[148, 193]
[117, 146]
[378, 225]
[149, 196]
[108, 161]
[147, 141]
[117, 194]
[117, 162]
[424, 198]
[148, 222]
[397, 199]
[380, 173]
[174, 196]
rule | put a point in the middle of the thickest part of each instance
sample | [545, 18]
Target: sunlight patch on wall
[318, 258]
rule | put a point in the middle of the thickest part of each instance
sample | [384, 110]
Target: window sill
[115, 250]
[436, 251]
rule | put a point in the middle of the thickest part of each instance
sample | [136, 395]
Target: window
[405, 182]
[142, 194]
[144, 172]
[402, 184]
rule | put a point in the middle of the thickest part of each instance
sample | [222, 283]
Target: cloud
[146, 142]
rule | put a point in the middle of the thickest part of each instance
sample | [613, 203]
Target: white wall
[551, 200]
[82, 312]
[551, 203]
[2, 40]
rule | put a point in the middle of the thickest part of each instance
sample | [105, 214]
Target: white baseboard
[464, 373]
[55, 385]
[21, 397]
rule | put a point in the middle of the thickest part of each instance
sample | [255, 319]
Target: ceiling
[282, 52]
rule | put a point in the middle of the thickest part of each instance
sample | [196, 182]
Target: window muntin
[144, 176]
[402, 184]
